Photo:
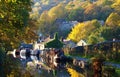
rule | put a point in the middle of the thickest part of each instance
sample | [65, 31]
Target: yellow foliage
[117, 2]
[7, 1]
[116, 6]
[57, 12]
[113, 20]
[82, 30]
[76, 32]
[45, 17]
[74, 73]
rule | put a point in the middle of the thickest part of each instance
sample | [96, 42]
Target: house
[39, 46]
[82, 43]
[69, 43]
[65, 25]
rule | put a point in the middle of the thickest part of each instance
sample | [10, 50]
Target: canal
[51, 65]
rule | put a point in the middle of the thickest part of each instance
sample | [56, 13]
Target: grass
[118, 72]
[113, 61]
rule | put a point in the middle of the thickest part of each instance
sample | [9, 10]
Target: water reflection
[57, 65]
[48, 64]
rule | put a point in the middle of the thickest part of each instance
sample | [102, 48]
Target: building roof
[81, 43]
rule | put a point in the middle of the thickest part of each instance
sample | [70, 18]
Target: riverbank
[116, 65]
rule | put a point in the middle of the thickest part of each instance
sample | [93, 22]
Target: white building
[82, 43]
[39, 46]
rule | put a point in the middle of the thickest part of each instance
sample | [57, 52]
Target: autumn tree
[83, 30]
[95, 37]
[91, 12]
[116, 6]
[113, 20]
[14, 18]
[104, 2]
[57, 12]
[103, 34]
[48, 18]
[44, 22]
[105, 12]
[76, 14]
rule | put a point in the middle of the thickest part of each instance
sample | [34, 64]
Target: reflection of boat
[55, 58]
[26, 52]
[79, 63]
[23, 54]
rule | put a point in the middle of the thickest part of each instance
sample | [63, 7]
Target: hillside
[42, 5]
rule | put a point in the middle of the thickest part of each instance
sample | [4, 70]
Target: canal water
[45, 68]
[48, 64]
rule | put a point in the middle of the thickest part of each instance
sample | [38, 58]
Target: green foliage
[86, 10]
[8, 64]
[118, 71]
[48, 18]
[76, 10]
[110, 71]
[15, 13]
[105, 12]
[55, 43]
[14, 20]
[110, 33]
[57, 12]
[95, 37]
[104, 2]
[14, 64]
[103, 34]
[76, 14]
[98, 58]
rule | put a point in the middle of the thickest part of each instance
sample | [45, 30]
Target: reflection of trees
[74, 73]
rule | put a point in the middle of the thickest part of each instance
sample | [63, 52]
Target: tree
[45, 24]
[104, 2]
[104, 34]
[47, 20]
[8, 64]
[105, 12]
[116, 6]
[92, 12]
[57, 12]
[44, 17]
[83, 30]
[113, 20]
[76, 14]
[95, 37]
[74, 73]
[14, 19]
[55, 43]
[110, 33]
